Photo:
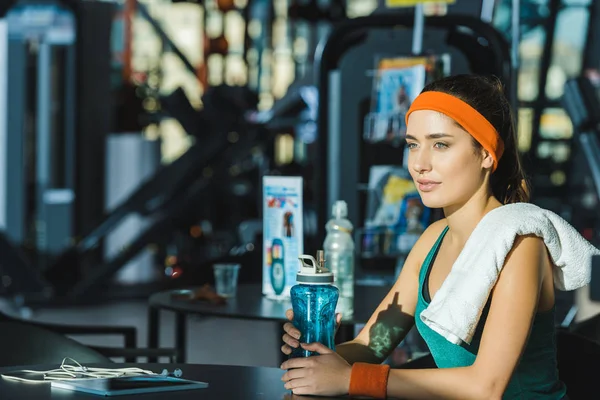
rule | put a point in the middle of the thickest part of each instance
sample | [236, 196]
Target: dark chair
[578, 360]
[130, 352]
[25, 344]
[589, 328]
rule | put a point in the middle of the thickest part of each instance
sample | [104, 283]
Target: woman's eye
[441, 145]
[411, 145]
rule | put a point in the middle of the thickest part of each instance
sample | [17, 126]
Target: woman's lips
[426, 185]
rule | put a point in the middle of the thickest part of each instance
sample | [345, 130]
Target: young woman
[466, 165]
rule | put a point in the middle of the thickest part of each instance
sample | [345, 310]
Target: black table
[225, 383]
[250, 304]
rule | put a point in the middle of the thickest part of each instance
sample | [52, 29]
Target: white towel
[455, 310]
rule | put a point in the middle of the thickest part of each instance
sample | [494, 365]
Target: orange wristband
[369, 380]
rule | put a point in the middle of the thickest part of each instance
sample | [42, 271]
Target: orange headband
[465, 115]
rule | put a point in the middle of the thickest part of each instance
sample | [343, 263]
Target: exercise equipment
[581, 101]
[344, 62]
[170, 197]
[39, 129]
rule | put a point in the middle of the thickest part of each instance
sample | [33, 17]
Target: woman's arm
[513, 307]
[394, 317]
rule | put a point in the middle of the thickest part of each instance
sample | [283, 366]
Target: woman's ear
[488, 160]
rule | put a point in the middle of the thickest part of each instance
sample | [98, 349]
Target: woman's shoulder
[527, 247]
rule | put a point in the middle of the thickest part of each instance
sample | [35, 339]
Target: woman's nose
[421, 161]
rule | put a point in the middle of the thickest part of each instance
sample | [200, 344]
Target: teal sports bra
[536, 375]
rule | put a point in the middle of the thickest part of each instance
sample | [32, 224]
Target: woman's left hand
[327, 374]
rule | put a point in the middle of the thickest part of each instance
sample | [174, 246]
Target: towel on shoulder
[455, 310]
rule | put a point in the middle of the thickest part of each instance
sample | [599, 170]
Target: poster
[395, 215]
[395, 87]
[283, 234]
[397, 82]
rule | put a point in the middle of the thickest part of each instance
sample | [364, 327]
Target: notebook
[129, 385]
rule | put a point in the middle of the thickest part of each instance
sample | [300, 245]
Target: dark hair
[486, 95]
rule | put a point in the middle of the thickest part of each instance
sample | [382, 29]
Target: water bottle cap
[310, 273]
[339, 209]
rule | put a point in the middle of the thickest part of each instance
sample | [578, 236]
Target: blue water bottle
[314, 299]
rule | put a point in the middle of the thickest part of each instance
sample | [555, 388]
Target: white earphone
[77, 372]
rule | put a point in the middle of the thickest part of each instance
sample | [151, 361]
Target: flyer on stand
[283, 234]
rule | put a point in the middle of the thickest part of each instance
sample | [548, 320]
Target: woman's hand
[291, 337]
[327, 374]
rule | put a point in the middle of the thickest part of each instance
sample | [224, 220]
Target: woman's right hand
[291, 337]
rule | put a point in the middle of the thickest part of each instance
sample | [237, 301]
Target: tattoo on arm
[389, 329]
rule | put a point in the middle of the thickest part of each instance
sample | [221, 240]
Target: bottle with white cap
[314, 298]
[339, 253]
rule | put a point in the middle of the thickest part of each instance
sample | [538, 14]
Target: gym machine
[39, 128]
[581, 101]
[345, 86]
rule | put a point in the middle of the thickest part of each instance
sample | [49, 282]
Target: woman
[466, 168]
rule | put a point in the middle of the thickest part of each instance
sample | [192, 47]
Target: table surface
[251, 304]
[225, 382]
